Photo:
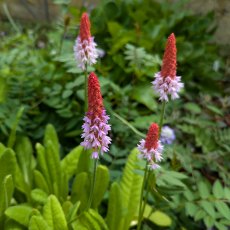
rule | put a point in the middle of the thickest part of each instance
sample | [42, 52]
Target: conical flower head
[85, 28]
[169, 60]
[85, 51]
[95, 102]
[151, 140]
[151, 148]
[166, 83]
[95, 127]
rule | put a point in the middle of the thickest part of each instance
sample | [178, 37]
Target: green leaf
[223, 209]
[115, 208]
[12, 136]
[218, 190]
[200, 215]
[131, 184]
[98, 218]
[209, 221]
[24, 153]
[38, 223]
[80, 189]
[101, 184]
[6, 193]
[144, 95]
[42, 164]
[51, 135]
[20, 214]
[70, 162]
[160, 218]
[215, 109]
[7, 164]
[194, 108]
[73, 212]
[191, 208]
[53, 214]
[40, 181]
[221, 226]
[203, 190]
[208, 207]
[39, 196]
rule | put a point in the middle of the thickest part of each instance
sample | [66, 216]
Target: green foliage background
[41, 84]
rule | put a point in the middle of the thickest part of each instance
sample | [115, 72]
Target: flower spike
[151, 148]
[166, 82]
[95, 127]
[85, 48]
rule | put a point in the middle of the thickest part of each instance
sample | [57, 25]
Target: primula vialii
[151, 148]
[95, 127]
[85, 48]
[166, 82]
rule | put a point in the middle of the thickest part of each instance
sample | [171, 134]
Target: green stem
[146, 176]
[162, 116]
[86, 91]
[93, 184]
[142, 192]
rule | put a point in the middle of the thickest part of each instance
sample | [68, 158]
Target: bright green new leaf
[51, 135]
[40, 181]
[70, 162]
[54, 215]
[38, 223]
[39, 196]
[20, 214]
[80, 189]
[115, 210]
[130, 189]
[101, 184]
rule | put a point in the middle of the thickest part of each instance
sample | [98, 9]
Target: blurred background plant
[38, 72]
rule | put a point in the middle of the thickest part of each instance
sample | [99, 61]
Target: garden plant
[117, 118]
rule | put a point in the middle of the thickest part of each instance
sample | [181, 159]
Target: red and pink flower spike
[151, 148]
[166, 82]
[95, 127]
[85, 51]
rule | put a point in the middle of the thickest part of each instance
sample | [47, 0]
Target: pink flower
[85, 48]
[151, 148]
[95, 127]
[166, 82]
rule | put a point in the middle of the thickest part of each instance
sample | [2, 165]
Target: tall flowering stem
[85, 51]
[151, 150]
[95, 127]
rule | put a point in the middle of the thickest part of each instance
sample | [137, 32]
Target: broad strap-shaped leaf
[24, 153]
[54, 215]
[72, 214]
[54, 167]
[42, 164]
[131, 184]
[39, 196]
[20, 214]
[51, 135]
[90, 220]
[6, 193]
[115, 210]
[101, 184]
[40, 181]
[8, 164]
[70, 162]
[38, 223]
[12, 136]
[80, 189]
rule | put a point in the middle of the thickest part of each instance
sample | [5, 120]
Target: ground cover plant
[47, 182]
